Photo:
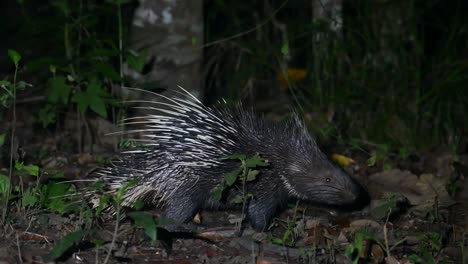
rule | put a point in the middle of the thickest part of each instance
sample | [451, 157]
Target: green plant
[428, 250]
[10, 90]
[354, 250]
[245, 173]
[86, 62]
[292, 229]
[57, 197]
[27, 193]
[288, 237]
[4, 187]
[54, 195]
[387, 205]
[146, 221]
[116, 201]
[67, 242]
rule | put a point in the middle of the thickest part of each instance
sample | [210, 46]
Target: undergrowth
[388, 74]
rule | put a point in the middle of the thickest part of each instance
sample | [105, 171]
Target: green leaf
[277, 240]
[285, 49]
[99, 243]
[56, 199]
[137, 62]
[14, 56]
[62, 5]
[95, 90]
[416, 259]
[2, 139]
[32, 170]
[124, 188]
[66, 243]
[231, 177]
[103, 203]
[81, 101]
[92, 98]
[238, 199]
[107, 70]
[58, 90]
[255, 161]
[4, 83]
[98, 106]
[286, 234]
[194, 41]
[46, 116]
[387, 166]
[138, 205]
[4, 184]
[372, 161]
[58, 176]
[146, 221]
[21, 85]
[29, 198]
[52, 69]
[217, 193]
[252, 175]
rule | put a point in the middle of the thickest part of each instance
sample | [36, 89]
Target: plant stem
[120, 112]
[116, 231]
[12, 138]
[244, 196]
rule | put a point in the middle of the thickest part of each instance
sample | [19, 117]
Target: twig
[387, 248]
[247, 31]
[19, 248]
[116, 231]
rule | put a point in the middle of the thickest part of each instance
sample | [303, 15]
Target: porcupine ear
[296, 123]
[298, 129]
[297, 120]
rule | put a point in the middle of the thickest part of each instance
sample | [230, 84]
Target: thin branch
[247, 31]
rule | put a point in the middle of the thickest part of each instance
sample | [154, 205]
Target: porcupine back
[181, 160]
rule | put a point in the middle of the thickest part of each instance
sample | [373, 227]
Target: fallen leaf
[342, 160]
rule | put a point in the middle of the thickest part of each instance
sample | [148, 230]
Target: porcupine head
[184, 160]
[298, 170]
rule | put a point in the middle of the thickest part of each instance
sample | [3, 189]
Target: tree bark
[171, 32]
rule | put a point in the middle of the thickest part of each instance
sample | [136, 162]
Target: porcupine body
[182, 161]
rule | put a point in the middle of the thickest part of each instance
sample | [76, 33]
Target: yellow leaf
[290, 75]
[342, 160]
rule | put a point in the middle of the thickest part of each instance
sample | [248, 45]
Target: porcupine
[183, 159]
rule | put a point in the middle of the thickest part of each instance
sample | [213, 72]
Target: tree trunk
[171, 32]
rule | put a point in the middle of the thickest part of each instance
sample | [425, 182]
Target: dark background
[394, 75]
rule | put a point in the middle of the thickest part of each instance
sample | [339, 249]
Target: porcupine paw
[260, 215]
[180, 217]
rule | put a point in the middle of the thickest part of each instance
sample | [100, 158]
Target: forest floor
[418, 213]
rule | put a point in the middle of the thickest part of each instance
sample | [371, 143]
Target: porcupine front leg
[181, 209]
[260, 211]
[268, 197]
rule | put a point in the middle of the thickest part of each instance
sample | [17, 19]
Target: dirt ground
[411, 218]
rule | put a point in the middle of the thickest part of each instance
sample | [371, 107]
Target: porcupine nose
[356, 196]
[352, 191]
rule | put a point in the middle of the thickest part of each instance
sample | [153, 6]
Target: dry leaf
[342, 160]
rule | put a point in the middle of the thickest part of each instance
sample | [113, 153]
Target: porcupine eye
[327, 179]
